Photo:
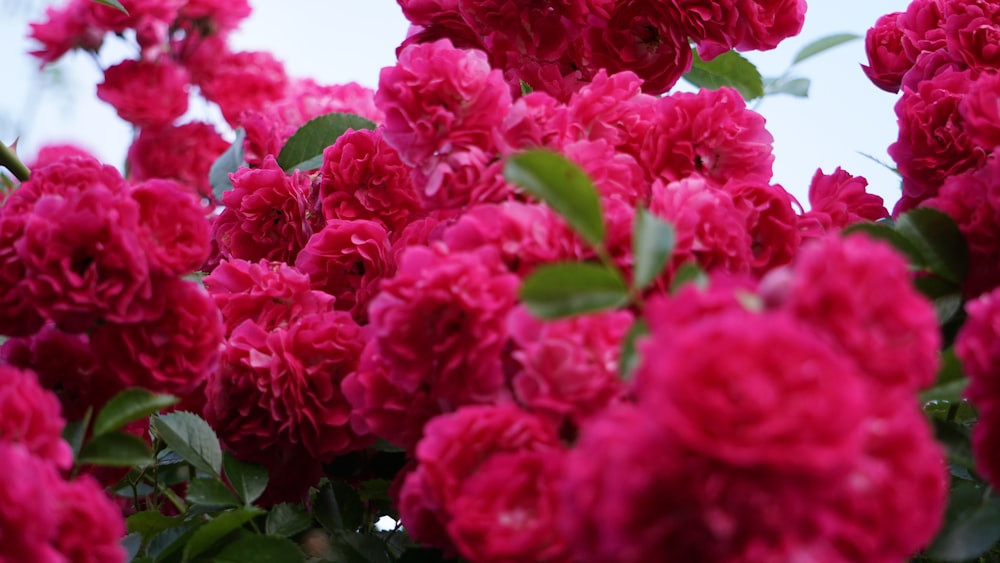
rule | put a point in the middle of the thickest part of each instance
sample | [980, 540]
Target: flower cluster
[942, 54]
[44, 517]
[558, 47]
[92, 285]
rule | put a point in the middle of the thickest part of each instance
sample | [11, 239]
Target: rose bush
[520, 300]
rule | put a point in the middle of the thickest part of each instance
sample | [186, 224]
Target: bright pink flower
[771, 222]
[270, 294]
[174, 353]
[139, 12]
[889, 330]
[90, 526]
[183, 153]
[922, 24]
[978, 346]
[53, 153]
[18, 317]
[981, 112]
[712, 25]
[838, 199]
[173, 229]
[440, 323]
[382, 408]
[509, 510]
[454, 448]
[31, 417]
[422, 12]
[781, 412]
[616, 175]
[146, 94]
[612, 108]
[762, 24]
[710, 133]
[242, 81]
[267, 214]
[29, 487]
[524, 234]
[887, 62]
[568, 368]
[364, 178]
[460, 179]
[535, 120]
[710, 229]
[438, 100]
[972, 33]
[66, 366]
[82, 256]
[65, 29]
[642, 37]
[933, 141]
[347, 259]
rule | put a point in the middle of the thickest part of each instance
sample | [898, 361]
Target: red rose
[90, 525]
[887, 62]
[174, 228]
[31, 417]
[29, 487]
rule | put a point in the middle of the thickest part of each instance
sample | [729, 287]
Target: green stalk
[10, 161]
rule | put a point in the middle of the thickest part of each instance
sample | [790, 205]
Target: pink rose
[838, 199]
[144, 93]
[267, 214]
[29, 487]
[610, 108]
[887, 62]
[972, 33]
[238, 82]
[174, 228]
[31, 417]
[64, 29]
[270, 294]
[90, 525]
[183, 153]
[771, 222]
[762, 24]
[347, 259]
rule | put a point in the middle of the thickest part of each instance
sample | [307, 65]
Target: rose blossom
[146, 94]
[183, 153]
[64, 29]
[28, 501]
[241, 81]
[642, 37]
[981, 112]
[710, 133]
[174, 353]
[347, 259]
[90, 525]
[889, 330]
[270, 294]
[770, 220]
[839, 199]
[440, 323]
[568, 368]
[31, 417]
[173, 227]
[267, 214]
[972, 33]
[611, 108]
[712, 25]
[887, 62]
[364, 178]
[438, 99]
[455, 446]
[762, 24]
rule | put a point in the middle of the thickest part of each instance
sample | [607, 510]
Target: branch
[10, 161]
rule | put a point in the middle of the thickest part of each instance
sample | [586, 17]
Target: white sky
[350, 40]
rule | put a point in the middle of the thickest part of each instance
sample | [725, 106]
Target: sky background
[337, 41]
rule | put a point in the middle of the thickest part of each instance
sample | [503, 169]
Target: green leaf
[630, 358]
[938, 240]
[885, 232]
[945, 295]
[421, 555]
[573, 288]
[792, 86]
[360, 548]
[248, 479]
[823, 44]
[260, 549]
[304, 149]
[150, 522]
[116, 449]
[972, 525]
[653, 241]
[211, 493]
[728, 69]
[75, 432]
[689, 272]
[128, 406]
[114, 4]
[170, 541]
[227, 163]
[338, 506]
[525, 88]
[192, 438]
[217, 528]
[954, 438]
[132, 543]
[287, 520]
[564, 186]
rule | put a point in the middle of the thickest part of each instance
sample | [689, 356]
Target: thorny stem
[10, 161]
